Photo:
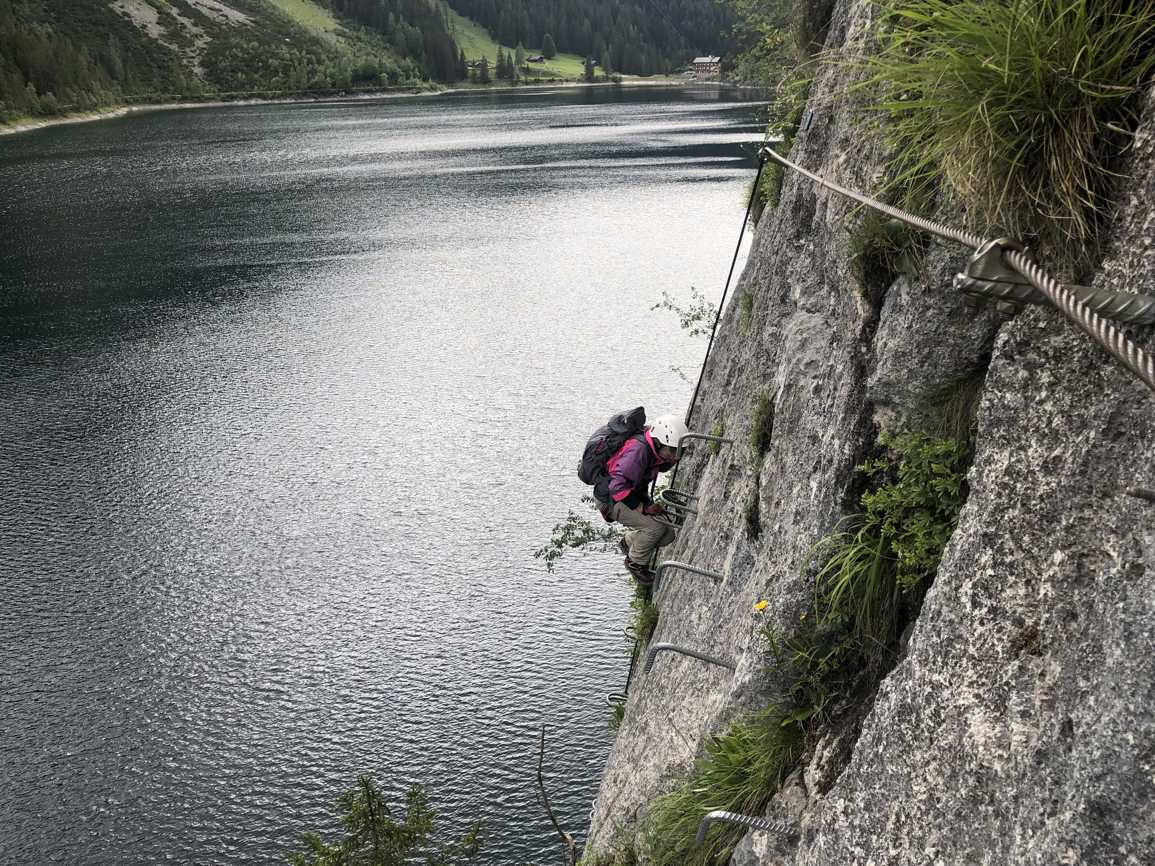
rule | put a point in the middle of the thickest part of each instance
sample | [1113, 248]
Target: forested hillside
[639, 37]
[83, 54]
[77, 55]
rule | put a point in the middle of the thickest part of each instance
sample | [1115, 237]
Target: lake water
[290, 395]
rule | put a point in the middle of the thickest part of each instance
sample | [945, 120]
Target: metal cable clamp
[989, 279]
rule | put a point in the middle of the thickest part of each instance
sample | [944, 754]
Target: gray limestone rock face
[1019, 725]
[803, 348]
[928, 341]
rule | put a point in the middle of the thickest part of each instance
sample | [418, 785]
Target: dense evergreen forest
[70, 55]
[639, 37]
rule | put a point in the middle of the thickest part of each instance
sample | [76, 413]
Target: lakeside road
[122, 110]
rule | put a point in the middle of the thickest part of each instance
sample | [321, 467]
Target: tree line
[640, 37]
[83, 55]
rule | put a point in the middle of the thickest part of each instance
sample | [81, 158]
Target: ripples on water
[290, 396]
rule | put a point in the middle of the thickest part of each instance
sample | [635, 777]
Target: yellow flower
[761, 605]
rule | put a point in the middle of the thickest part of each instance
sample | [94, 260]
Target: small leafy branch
[577, 533]
[697, 319]
[374, 837]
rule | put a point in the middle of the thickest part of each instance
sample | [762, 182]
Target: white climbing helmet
[668, 430]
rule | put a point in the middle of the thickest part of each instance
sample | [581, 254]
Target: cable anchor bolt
[988, 278]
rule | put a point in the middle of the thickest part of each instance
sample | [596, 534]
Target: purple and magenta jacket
[632, 469]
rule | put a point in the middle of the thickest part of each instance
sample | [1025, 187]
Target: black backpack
[604, 444]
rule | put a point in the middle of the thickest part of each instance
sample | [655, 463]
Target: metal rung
[675, 505]
[748, 821]
[686, 651]
[615, 698]
[703, 437]
[677, 497]
[672, 564]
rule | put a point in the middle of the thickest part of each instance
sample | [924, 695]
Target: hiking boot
[641, 574]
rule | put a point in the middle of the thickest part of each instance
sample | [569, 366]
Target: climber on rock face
[635, 465]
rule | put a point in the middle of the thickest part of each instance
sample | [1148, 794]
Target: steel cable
[725, 291]
[1118, 344]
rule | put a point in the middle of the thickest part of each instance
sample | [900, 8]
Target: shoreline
[30, 125]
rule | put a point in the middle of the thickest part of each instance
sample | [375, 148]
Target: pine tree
[548, 48]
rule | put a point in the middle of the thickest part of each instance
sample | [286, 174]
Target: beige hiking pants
[645, 533]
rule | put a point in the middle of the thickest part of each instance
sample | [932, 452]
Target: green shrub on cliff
[874, 571]
[739, 772]
[873, 574]
[1020, 109]
[868, 586]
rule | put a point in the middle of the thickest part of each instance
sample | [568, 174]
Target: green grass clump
[761, 426]
[752, 512]
[617, 716]
[719, 430]
[880, 248]
[623, 853]
[1020, 109]
[745, 310]
[739, 772]
[645, 614]
[956, 412]
[873, 572]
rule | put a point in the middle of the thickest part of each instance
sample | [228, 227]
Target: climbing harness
[686, 651]
[747, 821]
[1013, 260]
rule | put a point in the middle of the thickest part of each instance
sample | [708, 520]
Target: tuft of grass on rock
[745, 310]
[719, 430]
[879, 251]
[761, 426]
[1018, 109]
[739, 772]
[617, 716]
[875, 568]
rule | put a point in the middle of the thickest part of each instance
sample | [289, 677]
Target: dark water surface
[290, 394]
